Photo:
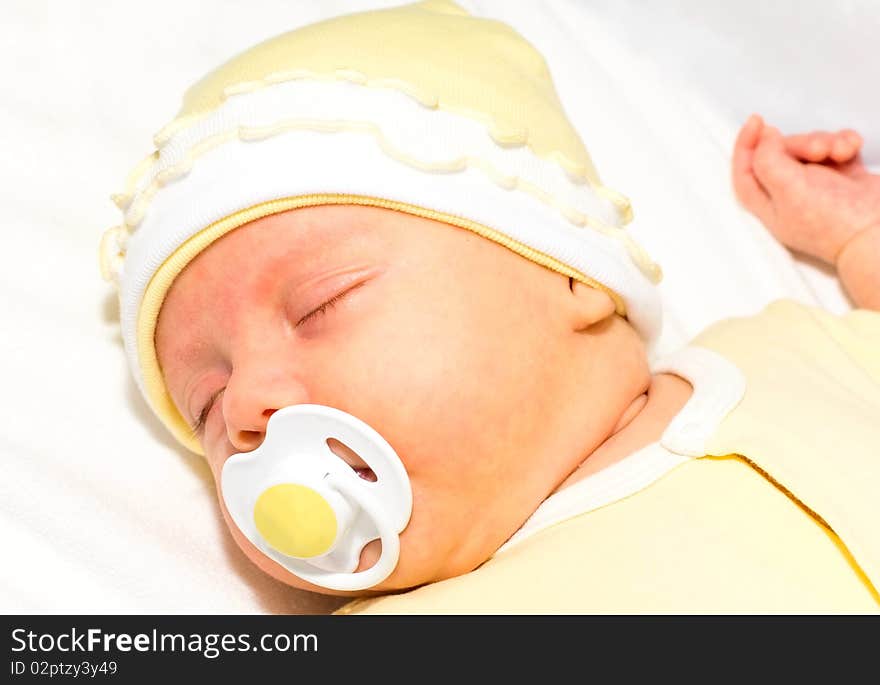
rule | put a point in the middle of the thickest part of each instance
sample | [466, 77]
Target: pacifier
[303, 506]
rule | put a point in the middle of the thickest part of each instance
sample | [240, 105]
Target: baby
[475, 299]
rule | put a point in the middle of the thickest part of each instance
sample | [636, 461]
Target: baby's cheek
[426, 541]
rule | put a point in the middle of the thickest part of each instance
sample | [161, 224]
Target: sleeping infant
[387, 214]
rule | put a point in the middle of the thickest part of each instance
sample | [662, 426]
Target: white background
[99, 510]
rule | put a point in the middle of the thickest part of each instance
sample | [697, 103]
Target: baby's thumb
[773, 166]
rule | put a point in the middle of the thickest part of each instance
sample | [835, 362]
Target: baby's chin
[406, 576]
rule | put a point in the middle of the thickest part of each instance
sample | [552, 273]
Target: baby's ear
[589, 305]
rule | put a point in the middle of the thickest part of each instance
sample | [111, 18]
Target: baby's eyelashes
[198, 426]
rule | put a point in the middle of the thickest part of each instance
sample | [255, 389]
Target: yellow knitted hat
[422, 108]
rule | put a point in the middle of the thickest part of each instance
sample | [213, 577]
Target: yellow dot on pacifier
[295, 520]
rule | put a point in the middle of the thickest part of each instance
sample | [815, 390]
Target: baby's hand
[810, 190]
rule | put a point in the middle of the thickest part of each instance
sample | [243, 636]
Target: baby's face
[454, 348]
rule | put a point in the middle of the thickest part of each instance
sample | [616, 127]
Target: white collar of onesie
[718, 386]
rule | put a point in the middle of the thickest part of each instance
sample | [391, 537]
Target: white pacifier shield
[304, 507]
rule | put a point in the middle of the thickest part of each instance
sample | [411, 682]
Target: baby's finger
[810, 147]
[749, 134]
[847, 144]
[745, 185]
[774, 167]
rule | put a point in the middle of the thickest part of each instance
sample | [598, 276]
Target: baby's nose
[249, 402]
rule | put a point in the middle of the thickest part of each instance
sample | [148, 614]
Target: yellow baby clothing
[761, 495]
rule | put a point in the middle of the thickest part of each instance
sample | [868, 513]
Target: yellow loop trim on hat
[111, 252]
[578, 172]
[138, 209]
[508, 136]
[639, 256]
[433, 51]
[124, 199]
[156, 290]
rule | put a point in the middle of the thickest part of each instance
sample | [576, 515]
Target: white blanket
[100, 512]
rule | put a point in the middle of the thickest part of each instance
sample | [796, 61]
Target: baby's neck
[642, 423]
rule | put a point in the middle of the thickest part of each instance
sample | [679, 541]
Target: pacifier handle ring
[387, 561]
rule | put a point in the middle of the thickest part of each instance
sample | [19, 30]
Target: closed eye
[329, 304]
[202, 418]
